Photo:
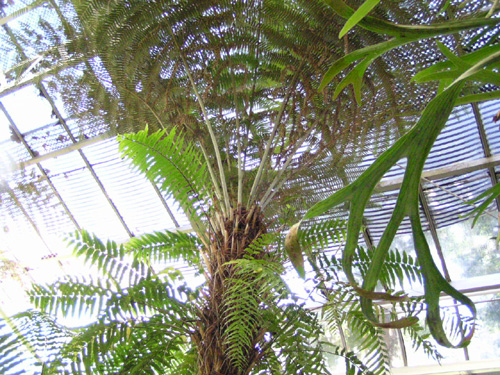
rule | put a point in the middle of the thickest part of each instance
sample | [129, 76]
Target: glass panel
[4, 128]
[486, 341]
[29, 109]
[471, 251]
[419, 357]
[392, 338]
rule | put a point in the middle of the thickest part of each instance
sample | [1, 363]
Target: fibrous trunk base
[230, 243]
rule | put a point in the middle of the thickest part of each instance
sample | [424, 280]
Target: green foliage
[490, 195]
[175, 165]
[143, 320]
[255, 285]
[144, 323]
[296, 341]
[420, 339]
[166, 246]
[358, 15]
[131, 347]
[30, 339]
[322, 234]
[401, 35]
[354, 366]
[399, 267]
[414, 146]
[342, 313]
[233, 86]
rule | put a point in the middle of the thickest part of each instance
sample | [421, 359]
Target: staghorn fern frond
[342, 311]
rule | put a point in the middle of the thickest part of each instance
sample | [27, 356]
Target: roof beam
[455, 169]
[30, 75]
[90, 168]
[40, 168]
[486, 147]
[65, 150]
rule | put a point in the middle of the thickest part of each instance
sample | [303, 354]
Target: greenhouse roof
[59, 175]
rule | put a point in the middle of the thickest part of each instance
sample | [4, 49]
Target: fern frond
[97, 297]
[354, 366]
[296, 333]
[171, 162]
[322, 234]
[342, 299]
[370, 341]
[166, 246]
[72, 297]
[343, 312]
[398, 268]
[30, 339]
[251, 286]
[149, 296]
[419, 339]
[153, 345]
[92, 347]
[109, 258]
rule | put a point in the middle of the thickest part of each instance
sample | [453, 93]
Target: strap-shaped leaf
[360, 13]
[402, 34]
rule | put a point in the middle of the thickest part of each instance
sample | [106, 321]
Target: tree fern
[239, 128]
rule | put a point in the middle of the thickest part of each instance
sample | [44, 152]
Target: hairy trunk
[211, 338]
